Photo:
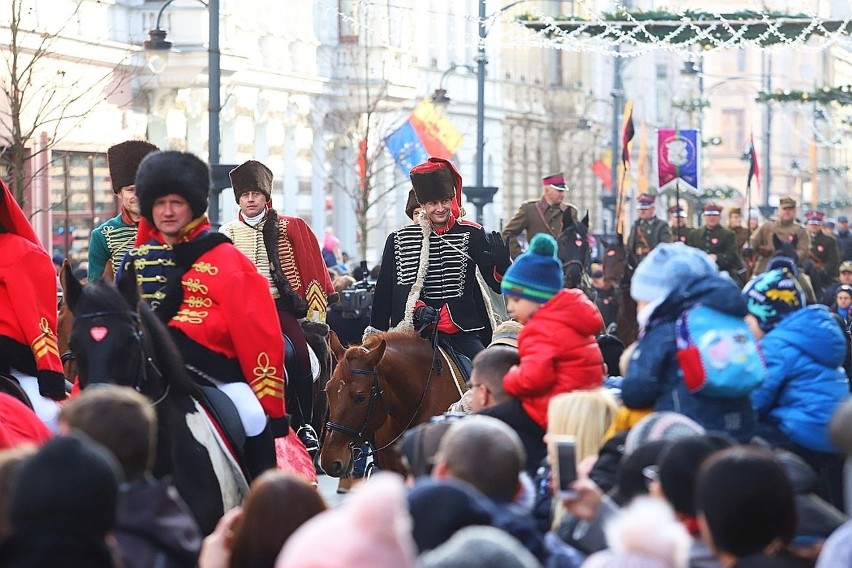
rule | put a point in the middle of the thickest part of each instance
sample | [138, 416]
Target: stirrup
[308, 436]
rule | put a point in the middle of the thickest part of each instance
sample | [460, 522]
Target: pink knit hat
[371, 528]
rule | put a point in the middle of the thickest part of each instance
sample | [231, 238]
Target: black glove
[425, 315]
[499, 252]
[280, 426]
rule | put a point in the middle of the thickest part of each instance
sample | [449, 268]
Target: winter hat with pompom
[537, 274]
[371, 527]
[668, 265]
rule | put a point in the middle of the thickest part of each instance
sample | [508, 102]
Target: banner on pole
[678, 156]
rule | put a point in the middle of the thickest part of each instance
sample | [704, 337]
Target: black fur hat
[123, 160]
[162, 173]
[251, 176]
[433, 181]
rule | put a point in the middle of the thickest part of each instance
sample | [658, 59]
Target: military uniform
[112, 239]
[680, 234]
[720, 242]
[534, 216]
[741, 235]
[646, 235]
[452, 254]
[824, 254]
[762, 239]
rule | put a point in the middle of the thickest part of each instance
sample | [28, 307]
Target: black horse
[118, 340]
[575, 253]
[618, 266]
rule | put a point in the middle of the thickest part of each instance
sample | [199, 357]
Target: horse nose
[335, 469]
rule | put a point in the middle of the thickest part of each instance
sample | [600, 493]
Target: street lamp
[157, 49]
[480, 195]
[439, 97]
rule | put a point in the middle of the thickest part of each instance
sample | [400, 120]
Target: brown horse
[619, 265]
[379, 390]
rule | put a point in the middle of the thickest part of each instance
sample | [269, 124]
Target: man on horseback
[823, 254]
[112, 239]
[648, 231]
[197, 282]
[28, 349]
[677, 218]
[717, 241]
[539, 215]
[785, 228]
[428, 275]
[286, 252]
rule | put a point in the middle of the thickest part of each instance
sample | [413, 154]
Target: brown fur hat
[411, 204]
[123, 160]
[251, 176]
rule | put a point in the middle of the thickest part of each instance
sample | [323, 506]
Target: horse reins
[376, 391]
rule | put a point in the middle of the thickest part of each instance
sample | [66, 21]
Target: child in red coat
[557, 345]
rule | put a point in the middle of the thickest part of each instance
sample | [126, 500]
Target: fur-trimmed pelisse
[181, 173]
[251, 176]
[434, 184]
[124, 159]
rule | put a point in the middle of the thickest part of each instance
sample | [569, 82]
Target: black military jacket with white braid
[450, 278]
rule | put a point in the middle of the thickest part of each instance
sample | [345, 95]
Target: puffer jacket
[654, 378]
[806, 382]
[558, 353]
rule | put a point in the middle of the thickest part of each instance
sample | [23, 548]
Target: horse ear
[376, 353]
[620, 240]
[127, 285]
[585, 221]
[776, 242]
[336, 347]
[71, 287]
[567, 217]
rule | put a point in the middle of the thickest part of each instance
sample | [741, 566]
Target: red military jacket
[226, 324]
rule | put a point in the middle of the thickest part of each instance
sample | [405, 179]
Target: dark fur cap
[411, 204]
[182, 173]
[124, 159]
[433, 181]
[251, 176]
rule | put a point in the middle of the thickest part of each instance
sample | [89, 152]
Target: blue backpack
[717, 353]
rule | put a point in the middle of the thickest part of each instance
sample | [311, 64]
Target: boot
[259, 452]
[303, 396]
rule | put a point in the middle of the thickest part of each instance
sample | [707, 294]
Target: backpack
[717, 353]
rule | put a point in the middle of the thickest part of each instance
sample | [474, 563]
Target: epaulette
[468, 223]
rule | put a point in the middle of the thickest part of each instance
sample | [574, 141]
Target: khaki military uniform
[534, 216]
[740, 237]
[762, 239]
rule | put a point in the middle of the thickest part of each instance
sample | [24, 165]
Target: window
[733, 131]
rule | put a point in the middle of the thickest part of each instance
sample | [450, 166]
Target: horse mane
[100, 296]
[376, 338]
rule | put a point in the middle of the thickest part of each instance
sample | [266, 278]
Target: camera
[357, 300]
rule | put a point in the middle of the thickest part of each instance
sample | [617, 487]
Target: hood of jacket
[584, 315]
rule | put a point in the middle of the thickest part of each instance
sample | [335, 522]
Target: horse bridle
[138, 336]
[375, 392]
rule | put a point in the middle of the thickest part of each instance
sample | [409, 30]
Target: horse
[619, 265]
[379, 389]
[574, 252]
[118, 340]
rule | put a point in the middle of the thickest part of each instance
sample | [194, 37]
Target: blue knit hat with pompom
[537, 274]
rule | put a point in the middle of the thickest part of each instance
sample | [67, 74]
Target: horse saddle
[291, 364]
[460, 365]
[10, 386]
[223, 411]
